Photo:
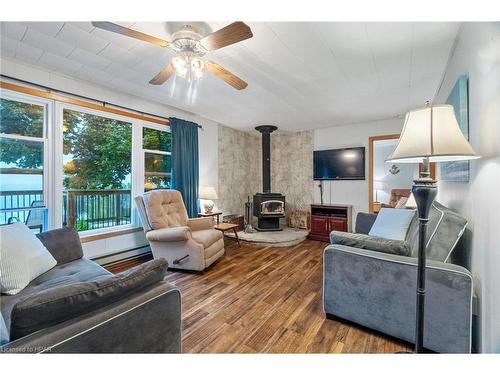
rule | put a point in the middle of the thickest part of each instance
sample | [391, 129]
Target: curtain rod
[104, 104]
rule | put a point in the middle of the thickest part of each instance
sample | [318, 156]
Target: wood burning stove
[267, 207]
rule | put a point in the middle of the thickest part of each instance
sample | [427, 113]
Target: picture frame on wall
[458, 171]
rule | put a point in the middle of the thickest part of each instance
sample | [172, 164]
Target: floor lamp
[430, 134]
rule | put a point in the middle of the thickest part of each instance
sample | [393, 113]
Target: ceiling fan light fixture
[197, 67]
[187, 67]
[180, 65]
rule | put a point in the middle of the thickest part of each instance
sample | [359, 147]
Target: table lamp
[430, 134]
[377, 185]
[208, 193]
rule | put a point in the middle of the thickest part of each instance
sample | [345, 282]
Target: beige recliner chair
[189, 244]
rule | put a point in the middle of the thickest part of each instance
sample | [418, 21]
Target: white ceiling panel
[119, 40]
[47, 28]
[14, 47]
[85, 26]
[300, 75]
[121, 71]
[120, 55]
[88, 59]
[79, 38]
[95, 75]
[12, 30]
[35, 39]
[58, 63]
[152, 53]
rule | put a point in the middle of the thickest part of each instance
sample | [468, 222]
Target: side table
[211, 214]
[223, 227]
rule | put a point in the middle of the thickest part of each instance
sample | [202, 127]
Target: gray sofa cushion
[364, 241]
[62, 303]
[4, 334]
[444, 230]
[68, 273]
[64, 244]
[364, 222]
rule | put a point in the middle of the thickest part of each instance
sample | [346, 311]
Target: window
[157, 146]
[63, 164]
[23, 147]
[97, 171]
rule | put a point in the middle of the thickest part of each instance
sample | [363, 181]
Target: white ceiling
[300, 75]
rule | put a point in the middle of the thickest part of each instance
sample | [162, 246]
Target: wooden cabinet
[339, 224]
[319, 224]
[327, 218]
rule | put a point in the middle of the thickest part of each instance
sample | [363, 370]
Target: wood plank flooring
[261, 299]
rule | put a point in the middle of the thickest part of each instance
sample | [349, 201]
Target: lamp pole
[424, 190]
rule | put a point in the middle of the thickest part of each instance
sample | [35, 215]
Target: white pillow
[22, 258]
[401, 202]
[392, 223]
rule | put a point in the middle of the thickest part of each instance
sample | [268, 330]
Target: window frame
[59, 173]
[150, 125]
[46, 139]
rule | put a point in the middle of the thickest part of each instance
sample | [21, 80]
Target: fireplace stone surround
[239, 174]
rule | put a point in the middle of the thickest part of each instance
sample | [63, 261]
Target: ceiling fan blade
[233, 33]
[163, 76]
[225, 75]
[115, 28]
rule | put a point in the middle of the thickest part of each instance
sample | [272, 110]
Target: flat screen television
[340, 164]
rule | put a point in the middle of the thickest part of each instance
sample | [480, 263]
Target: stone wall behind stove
[240, 168]
[292, 168]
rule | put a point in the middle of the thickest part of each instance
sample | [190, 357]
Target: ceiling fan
[190, 46]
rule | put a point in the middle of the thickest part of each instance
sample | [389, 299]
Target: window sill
[114, 233]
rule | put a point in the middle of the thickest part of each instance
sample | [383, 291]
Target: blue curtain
[185, 163]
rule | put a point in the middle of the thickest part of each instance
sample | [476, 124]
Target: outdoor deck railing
[82, 209]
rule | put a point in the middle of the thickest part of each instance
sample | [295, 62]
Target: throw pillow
[401, 202]
[410, 203]
[22, 258]
[392, 223]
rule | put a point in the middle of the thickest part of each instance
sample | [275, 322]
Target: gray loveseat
[79, 307]
[372, 281]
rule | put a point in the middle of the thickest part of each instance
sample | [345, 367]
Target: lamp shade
[378, 184]
[208, 192]
[432, 132]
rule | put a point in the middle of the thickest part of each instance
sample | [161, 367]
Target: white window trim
[59, 174]
[46, 139]
[143, 151]
[158, 152]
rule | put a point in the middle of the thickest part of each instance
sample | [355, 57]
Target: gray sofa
[79, 307]
[372, 281]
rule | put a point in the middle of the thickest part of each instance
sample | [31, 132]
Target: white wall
[354, 135]
[403, 180]
[477, 54]
[208, 150]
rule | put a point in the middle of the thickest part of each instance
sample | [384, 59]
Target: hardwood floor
[267, 300]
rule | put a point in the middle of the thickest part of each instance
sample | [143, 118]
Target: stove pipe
[266, 131]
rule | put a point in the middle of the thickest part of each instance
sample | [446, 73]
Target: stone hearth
[287, 237]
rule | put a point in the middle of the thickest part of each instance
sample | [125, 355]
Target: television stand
[329, 217]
